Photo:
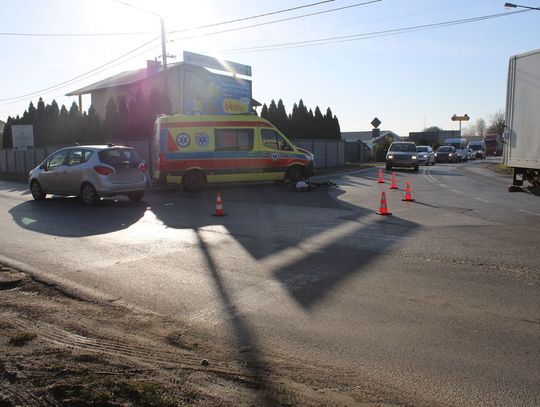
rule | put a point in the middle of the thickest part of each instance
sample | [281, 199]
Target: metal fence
[357, 152]
[328, 153]
[21, 162]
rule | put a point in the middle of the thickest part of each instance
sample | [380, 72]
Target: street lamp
[162, 24]
[512, 5]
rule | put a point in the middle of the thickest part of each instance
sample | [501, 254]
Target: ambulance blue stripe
[229, 171]
[206, 155]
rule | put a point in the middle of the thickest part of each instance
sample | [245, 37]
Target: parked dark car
[446, 154]
[402, 154]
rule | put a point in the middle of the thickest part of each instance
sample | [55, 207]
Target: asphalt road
[439, 301]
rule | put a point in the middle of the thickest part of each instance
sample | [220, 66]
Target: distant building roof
[366, 135]
[121, 79]
[129, 77]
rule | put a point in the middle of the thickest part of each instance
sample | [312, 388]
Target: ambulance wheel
[295, 174]
[194, 180]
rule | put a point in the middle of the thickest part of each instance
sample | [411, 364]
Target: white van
[460, 144]
[479, 148]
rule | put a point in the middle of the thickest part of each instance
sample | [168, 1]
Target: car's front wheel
[295, 174]
[37, 192]
[89, 195]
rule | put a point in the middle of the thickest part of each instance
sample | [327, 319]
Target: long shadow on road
[244, 336]
[68, 217]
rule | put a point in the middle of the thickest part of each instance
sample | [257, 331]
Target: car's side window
[86, 154]
[58, 159]
[75, 157]
[234, 139]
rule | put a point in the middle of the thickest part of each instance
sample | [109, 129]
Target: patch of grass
[22, 338]
[501, 169]
[111, 392]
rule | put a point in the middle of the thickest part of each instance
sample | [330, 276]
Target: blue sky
[405, 80]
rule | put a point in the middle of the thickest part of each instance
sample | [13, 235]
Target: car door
[52, 177]
[75, 170]
[275, 154]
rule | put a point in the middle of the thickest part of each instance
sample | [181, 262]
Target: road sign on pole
[463, 118]
[460, 119]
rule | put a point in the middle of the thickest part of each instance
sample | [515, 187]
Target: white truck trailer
[522, 120]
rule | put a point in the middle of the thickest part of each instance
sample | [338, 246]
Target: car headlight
[450, 155]
[413, 157]
[390, 156]
[435, 154]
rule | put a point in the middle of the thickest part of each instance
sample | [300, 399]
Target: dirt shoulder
[60, 350]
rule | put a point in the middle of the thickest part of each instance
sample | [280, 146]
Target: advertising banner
[210, 62]
[208, 93]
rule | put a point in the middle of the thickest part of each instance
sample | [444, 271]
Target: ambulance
[193, 150]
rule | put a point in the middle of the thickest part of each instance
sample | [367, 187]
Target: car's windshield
[476, 147]
[445, 149]
[403, 147]
[422, 149]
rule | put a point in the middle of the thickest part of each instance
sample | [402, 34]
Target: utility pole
[163, 43]
[162, 24]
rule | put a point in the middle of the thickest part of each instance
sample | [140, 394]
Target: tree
[50, 123]
[496, 123]
[63, 126]
[302, 122]
[282, 120]
[320, 130]
[432, 129]
[480, 127]
[111, 121]
[93, 132]
[123, 117]
[137, 115]
[75, 125]
[7, 141]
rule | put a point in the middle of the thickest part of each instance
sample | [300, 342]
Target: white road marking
[481, 200]
[529, 212]
[428, 176]
[456, 191]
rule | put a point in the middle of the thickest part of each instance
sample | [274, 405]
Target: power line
[15, 34]
[275, 21]
[81, 75]
[374, 34]
[237, 20]
[112, 34]
[93, 71]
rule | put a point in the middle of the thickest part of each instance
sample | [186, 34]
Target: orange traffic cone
[408, 196]
[219, 206]
[380, 180]
[383, 209]
[394, 181]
